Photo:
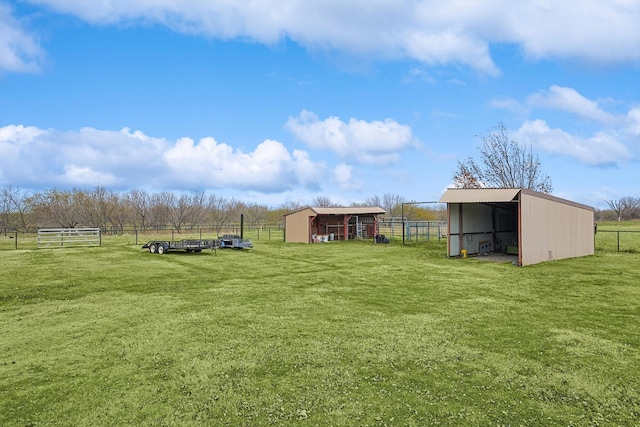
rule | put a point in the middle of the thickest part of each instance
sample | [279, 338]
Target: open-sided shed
[534, 226]
[311, 224]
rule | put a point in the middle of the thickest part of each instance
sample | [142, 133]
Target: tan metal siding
[297, 226]
[552, 230]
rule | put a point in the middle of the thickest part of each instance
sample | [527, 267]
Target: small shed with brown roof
[534, 226]
[315, 224]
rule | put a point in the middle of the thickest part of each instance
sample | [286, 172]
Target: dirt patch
[497, 257]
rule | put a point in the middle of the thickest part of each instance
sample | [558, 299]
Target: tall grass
[343, 333]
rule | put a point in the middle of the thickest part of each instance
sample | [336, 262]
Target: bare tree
[197, 209]
[255, 214]
[179, 210]
[120, 213]
[322, 202]
[374, 200]
[5, 207]
[290, 205]
[234, 208]
[504, 163]
[56, 208]
[186, 211]
[392, 203]
[616, 206]
[159, 209]
[96, 208]
[216, 207]
[15, 208]
[625, 207]
[631, 207]
[140, 203]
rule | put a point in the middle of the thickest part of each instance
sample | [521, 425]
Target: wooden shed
[309, 225]
[535, 227]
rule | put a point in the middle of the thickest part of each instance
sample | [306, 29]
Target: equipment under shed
[315, 224]
[532, 226]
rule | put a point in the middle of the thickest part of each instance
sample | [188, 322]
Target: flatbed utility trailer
[164, 246]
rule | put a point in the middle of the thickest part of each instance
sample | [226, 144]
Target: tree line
[624, 208]
[114, 212]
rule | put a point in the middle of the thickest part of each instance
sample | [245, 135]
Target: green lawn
[616, 236]
[343, 334]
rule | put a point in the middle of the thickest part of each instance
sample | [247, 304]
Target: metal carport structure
[534, 226]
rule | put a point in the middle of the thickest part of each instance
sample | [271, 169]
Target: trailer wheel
[153, 248]
[161, 249]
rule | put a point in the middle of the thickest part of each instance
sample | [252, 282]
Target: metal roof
[366, 210]
[479, 195]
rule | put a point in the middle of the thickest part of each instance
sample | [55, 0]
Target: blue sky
[279, 101]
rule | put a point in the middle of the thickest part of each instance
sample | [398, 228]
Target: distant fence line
[13, 240]
[415, 231]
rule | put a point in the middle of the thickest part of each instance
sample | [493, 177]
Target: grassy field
[623, 236]
[343, 334]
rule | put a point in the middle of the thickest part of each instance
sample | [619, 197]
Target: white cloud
[600, 149]
[84, 175]
[569, 100]
[508, 104]
[19, 134]
[613, 143]
[596, 31]
[343, 177]
[633, 120]
[32, 157]
[434, 32]
[269, 168]
[419, 74]
[19, 51]
[376, 142]
[448, 47]
[75, 158]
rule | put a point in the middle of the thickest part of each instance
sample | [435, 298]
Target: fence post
[618, 233]
[16, 240]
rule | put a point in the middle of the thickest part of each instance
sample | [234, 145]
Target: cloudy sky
[272, 101]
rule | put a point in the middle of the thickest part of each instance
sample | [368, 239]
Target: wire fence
[14, 240]
[618, 241]
[627, 241]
